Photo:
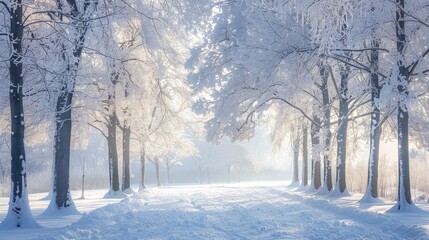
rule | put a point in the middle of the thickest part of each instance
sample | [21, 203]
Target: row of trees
[117, 66]
[326, 64]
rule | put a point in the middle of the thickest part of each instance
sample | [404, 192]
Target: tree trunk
[200, 171]
[295, 179]
[404, 191]
[375, 131]
[82, 196]
[142, 170]
[304, 157]
[316, 180]
[63, 115]
[19, 213]
[342, 130]
[126, 136]
[111, 138]
[327, 178]
[61, 188]
[158, 182]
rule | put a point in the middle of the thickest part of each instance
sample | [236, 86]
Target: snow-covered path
[233, 212]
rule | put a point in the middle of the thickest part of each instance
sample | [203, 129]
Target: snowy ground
[234, 211]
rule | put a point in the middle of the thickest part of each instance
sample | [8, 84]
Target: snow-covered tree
[19, 214]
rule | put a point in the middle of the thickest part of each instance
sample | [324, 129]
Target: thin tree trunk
[126, 136]
[142, 170]
[304, 157]
[316, 180]
[82, 196]
[168, 173]
[200, 171]
[295, 179]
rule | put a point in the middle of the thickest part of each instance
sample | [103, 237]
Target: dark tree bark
[126, 137]
[327, 178]
[404, 190]
[111, 137]
[61, 188]
[304, 156]
[18, 173]
[316, 181]
[342, 130]
[18, 205]
[375, 131]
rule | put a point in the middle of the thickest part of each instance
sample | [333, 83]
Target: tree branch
[97, 128]
[6, 6]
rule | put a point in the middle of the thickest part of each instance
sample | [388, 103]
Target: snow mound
[141, 188]
[406, 208]
[26, 219]
[128, 191]
[114, 194]
[54, 210]
[337, 194]
[323, 190]
[311, 189]
[368, 199]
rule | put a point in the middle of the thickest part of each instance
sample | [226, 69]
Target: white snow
[52, 210]
[230, 211]
[114, 194]
[11, 219]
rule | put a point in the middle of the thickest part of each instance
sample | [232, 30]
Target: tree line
[115, 66]
[319, 66]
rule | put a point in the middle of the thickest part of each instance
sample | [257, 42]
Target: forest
[330, 80]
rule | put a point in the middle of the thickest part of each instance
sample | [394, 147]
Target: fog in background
[252, 160]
